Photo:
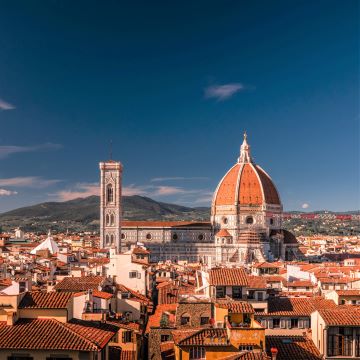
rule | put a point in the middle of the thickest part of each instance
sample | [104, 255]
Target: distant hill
[83, 214]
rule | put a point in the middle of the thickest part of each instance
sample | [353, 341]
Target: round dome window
[175, 237]
[225, 220]
[249, 220]
[201, 237]
[148, 236]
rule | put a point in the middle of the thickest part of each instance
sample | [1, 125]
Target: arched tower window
[107, 239]
[112, 239]
[112, 219]
[107, 219]
[109, 193]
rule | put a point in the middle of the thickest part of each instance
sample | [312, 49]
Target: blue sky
[174, 85]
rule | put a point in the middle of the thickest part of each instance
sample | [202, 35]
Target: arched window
[112, 219]
[109, 193]
[112, 238]
[107, 239]
[107, 219]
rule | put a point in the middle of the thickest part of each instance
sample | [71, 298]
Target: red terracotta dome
[246, 184]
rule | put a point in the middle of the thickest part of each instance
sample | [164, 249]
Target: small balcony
[95, 315]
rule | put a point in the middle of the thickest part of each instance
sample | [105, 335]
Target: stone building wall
[195, 310]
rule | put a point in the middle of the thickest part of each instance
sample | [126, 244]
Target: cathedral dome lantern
[245, 184]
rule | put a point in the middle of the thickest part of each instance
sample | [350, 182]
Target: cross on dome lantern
[245, 156]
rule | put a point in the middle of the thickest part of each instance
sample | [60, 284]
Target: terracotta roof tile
[341, 316]
[140, 250]
[223, 233]
[228, 277]
[349, 292]
[210, 337]
[154, 320]
[134, 294]
[45, 300]
[278, 306]
[41, 334]
[293, 347]
[235, 306]
[257, 282]
[248, 355]
[79, 283]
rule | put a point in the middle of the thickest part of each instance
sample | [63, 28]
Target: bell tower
[110, 204]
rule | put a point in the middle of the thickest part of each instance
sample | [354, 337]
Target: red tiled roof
[45, 300]
[79, 283]
[235, 306]
[296, 306]
[292, 347]
[134, 294]
[349, 292]
[257, 282]
[154, 320]
[140, 250]
[331, 280]
[273, 278]
[125, 325]
[50, 334]
[223, 233]
[299, 283]
[267, 265]
[341, 316]
[228, 277]
[102, 294]
[200, 336]
[248, 355]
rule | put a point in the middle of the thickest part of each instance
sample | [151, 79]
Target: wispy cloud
[5, 105]
[169, 190]
[80, 190]
[7, 150]
[175, 178]
[28, 181]
[4, 192]
[223, 92]
[132, 189]
[305, 206]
